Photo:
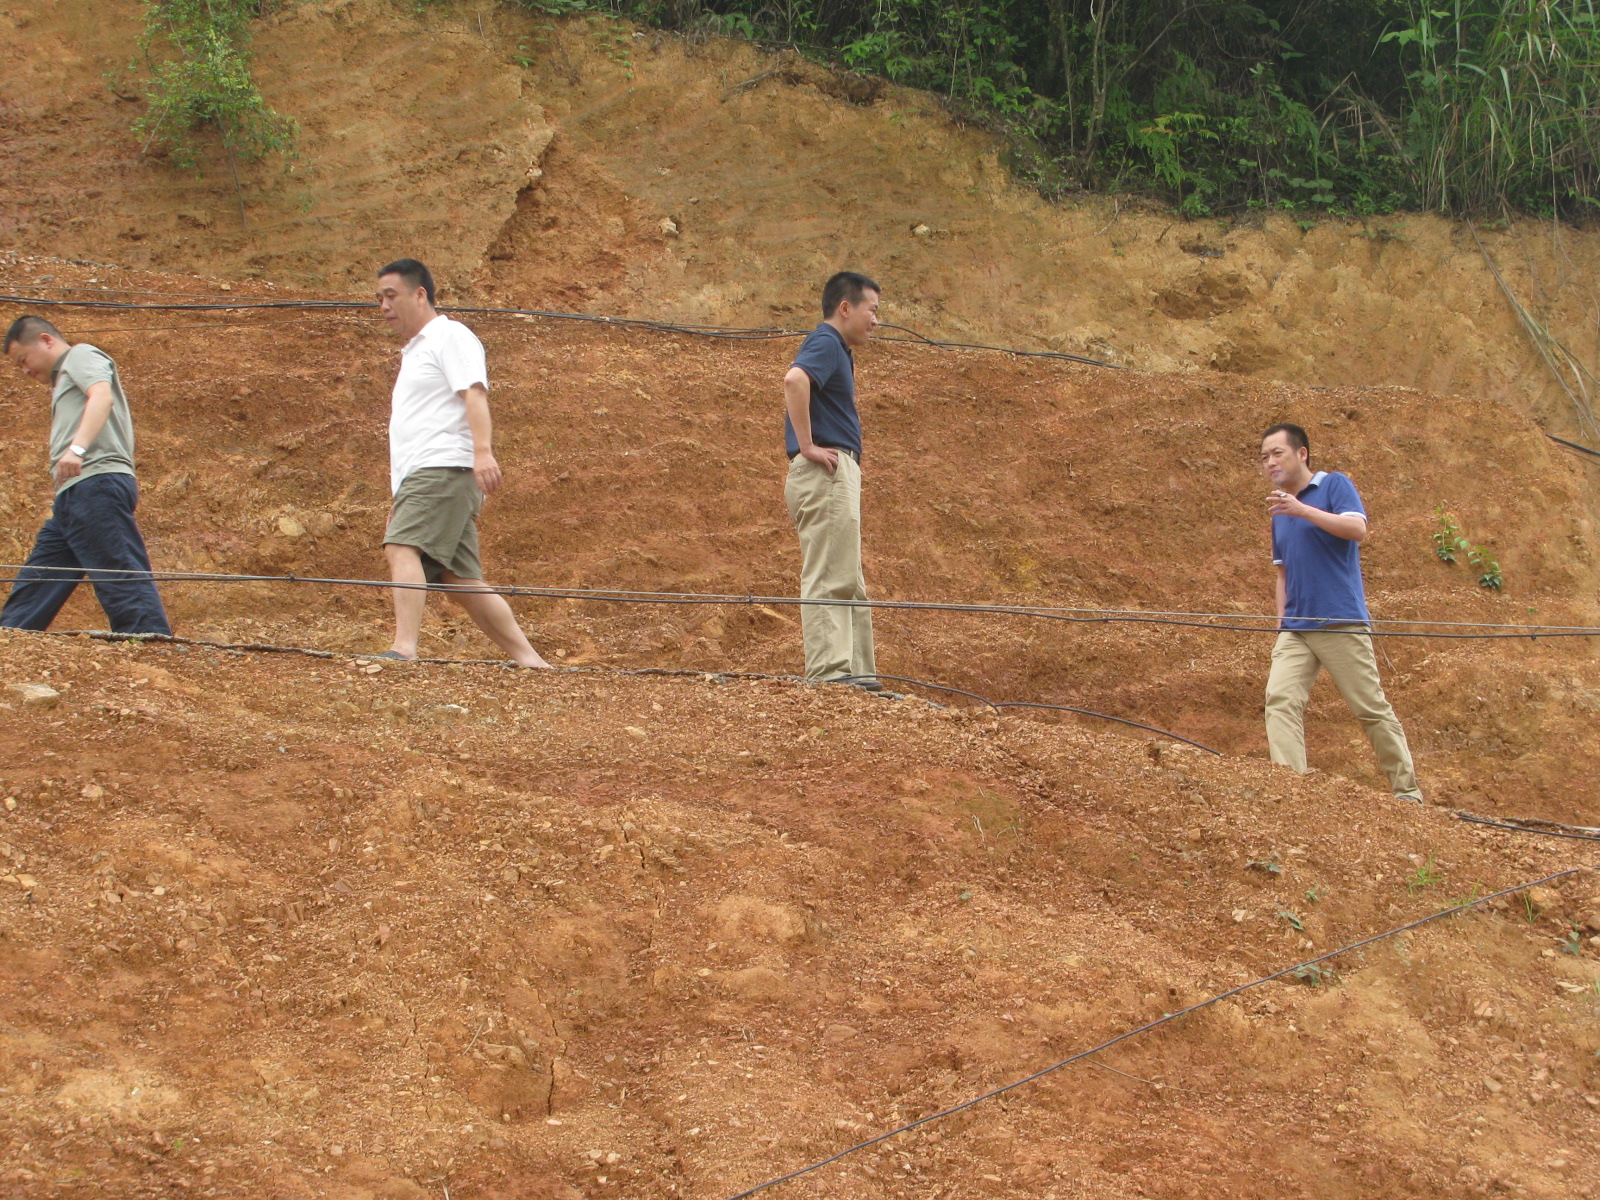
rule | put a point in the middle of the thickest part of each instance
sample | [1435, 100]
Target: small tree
[206, 84]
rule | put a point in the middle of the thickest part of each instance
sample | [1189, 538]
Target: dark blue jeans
[91, 530]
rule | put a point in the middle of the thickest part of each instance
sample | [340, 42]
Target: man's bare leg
[405, 566]
[490, 613]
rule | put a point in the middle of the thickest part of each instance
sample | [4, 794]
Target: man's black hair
[412, 272]
[846, 285]
[27, 329]
[1297, 438]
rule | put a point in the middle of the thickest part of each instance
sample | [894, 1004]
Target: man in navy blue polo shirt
[822, 434]
[1318, 523]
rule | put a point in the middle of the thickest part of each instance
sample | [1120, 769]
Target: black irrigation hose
[939, 687]
[1104, 716]
[1145, 1028]
[1079, 616]
[1517, 825]
[1573, 445]
[1514, 825]
[244, 304]
[272, 648]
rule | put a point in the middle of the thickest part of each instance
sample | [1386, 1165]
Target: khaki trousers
[826, 510]
[1296, 659]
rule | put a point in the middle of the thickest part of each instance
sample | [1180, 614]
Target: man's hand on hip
[826, 455]
[487, 471]
[68, 466]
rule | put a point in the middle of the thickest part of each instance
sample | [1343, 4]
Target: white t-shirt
[428, 421]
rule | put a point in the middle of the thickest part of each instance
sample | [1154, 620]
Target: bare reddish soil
[297, 926]
[534, 161]
[283, 927]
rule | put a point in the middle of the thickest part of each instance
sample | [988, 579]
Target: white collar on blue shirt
[1317, 478]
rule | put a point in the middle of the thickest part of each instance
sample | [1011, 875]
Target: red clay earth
[289, 926]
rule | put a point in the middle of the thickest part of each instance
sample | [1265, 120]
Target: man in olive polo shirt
[822, 436]
[441, 466]
[91, 529]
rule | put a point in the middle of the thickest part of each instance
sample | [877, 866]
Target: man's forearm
[478, 420]
[1348, 526]
[1281, 588]
[797, 402]
[95, 414]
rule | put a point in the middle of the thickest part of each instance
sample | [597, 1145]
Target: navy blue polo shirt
[834, 420]
[1322, 573]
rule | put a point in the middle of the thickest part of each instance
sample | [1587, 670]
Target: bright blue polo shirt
[834, 421]
[1322, 573]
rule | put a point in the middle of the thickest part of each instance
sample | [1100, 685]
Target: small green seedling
[1488, 569]
[1426, 875]
[1312, 895]
[1447, 539]
[1293, 919]
[1573, 942]
[1471, 897]
[1313, 974]
[1267, 866]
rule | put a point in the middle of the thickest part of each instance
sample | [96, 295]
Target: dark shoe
[866, 683]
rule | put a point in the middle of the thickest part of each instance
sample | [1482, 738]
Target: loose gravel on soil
[292, 927]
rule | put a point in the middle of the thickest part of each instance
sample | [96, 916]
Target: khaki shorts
[436, 510]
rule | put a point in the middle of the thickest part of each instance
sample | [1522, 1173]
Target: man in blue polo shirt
[1318, 523]
[822, 434]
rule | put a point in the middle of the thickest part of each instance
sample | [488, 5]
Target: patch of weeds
[1314, 974]
[1530, 911]
[1426, 875]
[1449, 544]
[1383, 233]
[1293, 918]
[1312, 895]
[1471, 897]
[1573, 943]
[1267, 866]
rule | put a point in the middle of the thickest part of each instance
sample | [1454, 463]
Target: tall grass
[1343, 105]
[1502, 104]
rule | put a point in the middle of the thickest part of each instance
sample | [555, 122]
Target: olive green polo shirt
[111, 452]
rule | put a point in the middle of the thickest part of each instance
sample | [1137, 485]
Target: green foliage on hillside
[1354, 106]
[198, 55]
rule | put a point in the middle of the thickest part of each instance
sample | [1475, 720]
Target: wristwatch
[80, 451]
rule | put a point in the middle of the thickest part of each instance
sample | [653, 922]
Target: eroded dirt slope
[646, 461]
[586, 164]
[287, 927]
[302, 927]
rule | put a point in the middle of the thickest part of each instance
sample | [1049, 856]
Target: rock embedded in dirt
[1547, 901]
[35, 695]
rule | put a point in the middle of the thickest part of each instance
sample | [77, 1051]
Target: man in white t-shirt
[441, 466]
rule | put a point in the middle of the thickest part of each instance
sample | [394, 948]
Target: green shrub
[198, 55]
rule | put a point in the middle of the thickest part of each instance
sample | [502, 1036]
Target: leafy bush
[198, 55]
[1343, 106]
